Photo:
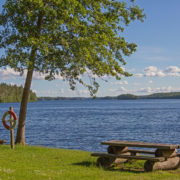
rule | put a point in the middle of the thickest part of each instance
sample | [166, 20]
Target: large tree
[65, 38]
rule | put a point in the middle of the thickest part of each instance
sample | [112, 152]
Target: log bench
[164, 157]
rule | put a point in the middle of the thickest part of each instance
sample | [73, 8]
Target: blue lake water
[83, 124]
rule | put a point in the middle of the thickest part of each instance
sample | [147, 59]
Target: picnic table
[164, 157]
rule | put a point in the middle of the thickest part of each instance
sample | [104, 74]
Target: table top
[140, 144]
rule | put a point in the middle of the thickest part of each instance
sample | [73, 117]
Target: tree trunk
[20, 137]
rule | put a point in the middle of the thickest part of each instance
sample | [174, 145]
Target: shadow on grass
[114, 168]
[123, 169]
[85, 163]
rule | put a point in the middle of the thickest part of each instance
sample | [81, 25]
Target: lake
[83, 124]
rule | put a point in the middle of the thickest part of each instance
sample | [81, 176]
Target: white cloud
[149, 90]
[145, 90]
[150, 74]
[33, 90]
[113, 90]
[82, 92]
[8, 73]
[120, 83]
[136, 84]
[173, 71]
[174, 74]
[62, 91]
[40, 76]
[150, 82]
[160, 74]
[123, 89]
[139, 75]
[151, 69]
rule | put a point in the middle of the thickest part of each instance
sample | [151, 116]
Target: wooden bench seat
[155, 159]
[141, 151]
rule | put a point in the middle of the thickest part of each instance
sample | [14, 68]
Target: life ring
[12, 121]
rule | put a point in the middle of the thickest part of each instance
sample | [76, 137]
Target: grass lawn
[39, 163]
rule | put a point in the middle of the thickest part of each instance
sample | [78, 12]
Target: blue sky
[155, 65]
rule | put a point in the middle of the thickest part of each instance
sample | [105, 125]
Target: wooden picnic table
[165, 156]
[140, 144]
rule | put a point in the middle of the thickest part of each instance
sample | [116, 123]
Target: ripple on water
[83, 124]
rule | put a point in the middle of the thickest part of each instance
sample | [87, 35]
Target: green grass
[39, 163]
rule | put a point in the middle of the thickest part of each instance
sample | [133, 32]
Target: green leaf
[68, 37]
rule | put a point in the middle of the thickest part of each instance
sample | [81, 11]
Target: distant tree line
[170, 95]
[13, 93]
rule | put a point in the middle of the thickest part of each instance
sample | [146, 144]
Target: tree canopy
[70, 37]
[66, 38]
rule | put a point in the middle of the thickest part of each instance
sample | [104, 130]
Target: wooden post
[11, 131]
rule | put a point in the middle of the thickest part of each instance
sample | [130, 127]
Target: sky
[155, 65]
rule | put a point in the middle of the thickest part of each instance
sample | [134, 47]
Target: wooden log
[166, 153]
[122, 160]
[169, 164]
[2, 141]
[123, 150]
[117, 149]
[105, 161]
[110, 161]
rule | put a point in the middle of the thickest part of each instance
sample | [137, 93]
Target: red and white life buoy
[11, 120]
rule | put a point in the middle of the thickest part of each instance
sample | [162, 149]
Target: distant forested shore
[13, 93]
[170, 95]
